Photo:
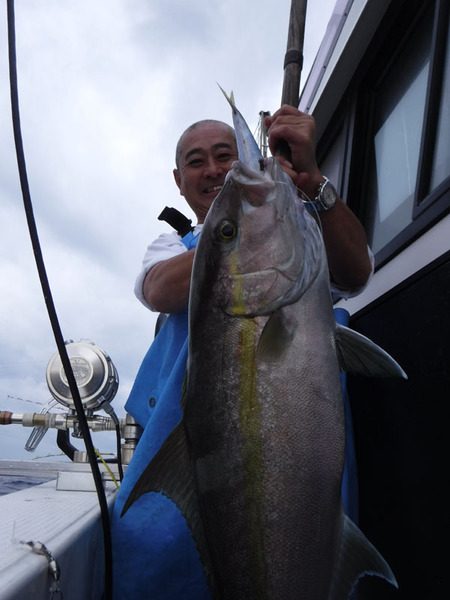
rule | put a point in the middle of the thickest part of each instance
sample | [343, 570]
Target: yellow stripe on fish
[250, 422]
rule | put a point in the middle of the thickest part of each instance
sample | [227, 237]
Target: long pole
[293, 60]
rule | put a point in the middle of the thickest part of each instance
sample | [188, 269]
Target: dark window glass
[441, 160]
[332, 163]
[399, 104]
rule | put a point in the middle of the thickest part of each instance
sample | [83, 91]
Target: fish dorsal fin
[357, 354]
[171, 473]
[357, 557]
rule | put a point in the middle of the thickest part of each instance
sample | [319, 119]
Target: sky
[106, 87]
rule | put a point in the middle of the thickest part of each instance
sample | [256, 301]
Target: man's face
[207, 153]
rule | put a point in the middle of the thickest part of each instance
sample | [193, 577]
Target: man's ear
[176, 176]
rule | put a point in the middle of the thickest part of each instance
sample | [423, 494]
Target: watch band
[325, 199]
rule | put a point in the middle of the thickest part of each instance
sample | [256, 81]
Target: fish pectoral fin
[357, 354]
[357, 557]
[275, 338]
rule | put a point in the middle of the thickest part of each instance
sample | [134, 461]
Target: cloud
[105, 90]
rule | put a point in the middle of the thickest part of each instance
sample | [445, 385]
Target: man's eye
[224, 157]
[195, 162]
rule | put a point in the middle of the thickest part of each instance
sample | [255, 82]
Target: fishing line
[107, 407]
[50, 304]
[310, 207]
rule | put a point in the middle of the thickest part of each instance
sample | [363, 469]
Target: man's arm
[166, 285]
[346, 246]
[344, 237]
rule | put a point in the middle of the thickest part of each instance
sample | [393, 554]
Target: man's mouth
[212, 189]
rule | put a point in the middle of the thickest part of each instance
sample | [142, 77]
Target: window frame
[425, 197]
[356, 114]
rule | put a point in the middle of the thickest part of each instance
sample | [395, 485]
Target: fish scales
[256, 463]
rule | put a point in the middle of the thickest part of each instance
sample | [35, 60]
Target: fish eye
[227, 231]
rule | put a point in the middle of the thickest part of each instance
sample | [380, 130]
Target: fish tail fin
[248, 150]
[357, 558]
[230, 98]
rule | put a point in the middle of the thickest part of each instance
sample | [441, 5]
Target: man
[154, 553]
[201, 172]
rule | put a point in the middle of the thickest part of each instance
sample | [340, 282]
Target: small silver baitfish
[256, 463]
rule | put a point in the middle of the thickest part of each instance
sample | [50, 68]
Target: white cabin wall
[430, 246]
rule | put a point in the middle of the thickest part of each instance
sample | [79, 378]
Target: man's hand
[344, 237]
[297, 130]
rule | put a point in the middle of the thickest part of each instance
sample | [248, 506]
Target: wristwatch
[325, 198]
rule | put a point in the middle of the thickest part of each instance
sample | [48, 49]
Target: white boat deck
[67, 522]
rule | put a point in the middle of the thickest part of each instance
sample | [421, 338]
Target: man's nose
[213, 168]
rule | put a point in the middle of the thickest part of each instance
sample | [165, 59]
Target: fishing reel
[95, 374]
[97, 382]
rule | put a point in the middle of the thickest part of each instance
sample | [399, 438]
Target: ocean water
[13, 483]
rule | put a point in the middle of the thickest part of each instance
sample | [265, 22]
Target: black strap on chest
[177, 220]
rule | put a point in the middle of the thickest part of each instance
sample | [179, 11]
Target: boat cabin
[380, 92]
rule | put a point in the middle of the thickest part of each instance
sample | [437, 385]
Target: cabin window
[332, 164]
[399, 100]
[441, 159]
[387, 145]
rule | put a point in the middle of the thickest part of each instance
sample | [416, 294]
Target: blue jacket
[154, 553]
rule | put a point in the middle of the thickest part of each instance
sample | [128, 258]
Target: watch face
[328, 196]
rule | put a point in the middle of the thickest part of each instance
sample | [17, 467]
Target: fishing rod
[293, 64]
[293, 60]
[82, 420]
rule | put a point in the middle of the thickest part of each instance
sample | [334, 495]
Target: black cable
[50, 304]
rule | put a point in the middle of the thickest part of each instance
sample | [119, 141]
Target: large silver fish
[256, 463]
